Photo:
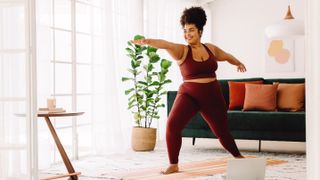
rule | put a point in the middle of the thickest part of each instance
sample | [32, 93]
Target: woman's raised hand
[241, 68]
[139, 42]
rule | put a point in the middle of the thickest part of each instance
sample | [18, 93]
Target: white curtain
[123, 21]
[16, 95]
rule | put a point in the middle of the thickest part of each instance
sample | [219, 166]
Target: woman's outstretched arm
[175, 50]
[224, 56]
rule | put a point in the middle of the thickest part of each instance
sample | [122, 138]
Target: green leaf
[164, 71]
[132, 97]
[153, 57]
[131, 56]
[157, 99]
[130, 50]
[163, 93]
[131, 102]
[161, 105]
[151, 49]
[143, 48]
[142, 82]
[156, 117]
[167, 81]
[149, 79]
[155, 83]
[161, 77]
[131, 106]
[165, 64]
[138, 63]
[125, 79]
[150, 67]
[137, 37]
[139, 57]
[129, 91]
[133, 64]
[129, 43]
[133, 71]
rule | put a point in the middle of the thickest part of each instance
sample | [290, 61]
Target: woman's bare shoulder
[212, 47]
[185, 52]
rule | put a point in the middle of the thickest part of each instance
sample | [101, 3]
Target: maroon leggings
[191, 98]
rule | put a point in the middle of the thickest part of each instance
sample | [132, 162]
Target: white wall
[238, 28]
[313, 88]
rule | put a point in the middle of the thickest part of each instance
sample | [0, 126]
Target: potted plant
[148, 77]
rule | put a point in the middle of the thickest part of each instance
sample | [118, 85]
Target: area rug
[110, 166]
[187, 170]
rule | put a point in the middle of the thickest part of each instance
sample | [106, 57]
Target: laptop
[246, 169]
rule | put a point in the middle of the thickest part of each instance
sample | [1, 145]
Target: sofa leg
[259, 145]
[193, 140]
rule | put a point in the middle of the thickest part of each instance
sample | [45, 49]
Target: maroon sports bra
[191, 69]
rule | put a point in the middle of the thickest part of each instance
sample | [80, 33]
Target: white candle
[51, 103]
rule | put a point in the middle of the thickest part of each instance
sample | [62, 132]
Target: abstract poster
[280, 56]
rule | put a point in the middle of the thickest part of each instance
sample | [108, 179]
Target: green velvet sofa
[251, 125]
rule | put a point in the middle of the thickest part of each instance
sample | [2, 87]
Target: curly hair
[194, 15]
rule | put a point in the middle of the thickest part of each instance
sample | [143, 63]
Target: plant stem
[137, 95]
[154, 105]
[146, 102]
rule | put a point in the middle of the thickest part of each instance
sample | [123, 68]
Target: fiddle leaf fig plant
[148, 76]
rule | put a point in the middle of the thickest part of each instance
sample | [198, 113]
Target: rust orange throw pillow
[261, 97]
[237, 93]
[291, 97]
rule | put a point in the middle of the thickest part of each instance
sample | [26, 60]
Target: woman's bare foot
[171, 169]
[239, 157]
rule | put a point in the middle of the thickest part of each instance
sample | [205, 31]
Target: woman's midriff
[201, 80]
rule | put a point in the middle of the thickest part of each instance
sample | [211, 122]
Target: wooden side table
[71, 173]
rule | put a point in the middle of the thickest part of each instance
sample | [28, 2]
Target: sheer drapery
[124, 20]
[16, 93]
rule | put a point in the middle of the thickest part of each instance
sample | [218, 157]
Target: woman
[200, 90]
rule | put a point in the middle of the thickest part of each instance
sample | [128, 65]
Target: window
[77, 46]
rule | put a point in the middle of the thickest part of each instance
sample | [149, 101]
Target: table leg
[61, 150]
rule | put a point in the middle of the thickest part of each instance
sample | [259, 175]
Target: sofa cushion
[225, 87]
[266, 121]
[260, 97]
[237, 93]
[291, 97]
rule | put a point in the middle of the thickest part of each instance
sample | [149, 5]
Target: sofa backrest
[292, 80]
[225, 87]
